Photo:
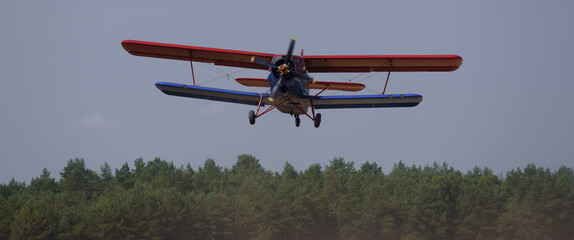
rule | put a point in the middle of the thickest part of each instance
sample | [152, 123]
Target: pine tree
[37, 219]
[44, 183]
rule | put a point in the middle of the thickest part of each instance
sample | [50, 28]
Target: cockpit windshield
[295, 59]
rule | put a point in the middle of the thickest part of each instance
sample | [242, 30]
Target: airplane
[288, 82]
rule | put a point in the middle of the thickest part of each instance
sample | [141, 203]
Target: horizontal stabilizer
[253, 82]
[341, 86]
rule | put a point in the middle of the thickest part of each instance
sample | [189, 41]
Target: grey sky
[68, 89]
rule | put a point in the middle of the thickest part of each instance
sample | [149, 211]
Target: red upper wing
[216, 56]
[382, 63]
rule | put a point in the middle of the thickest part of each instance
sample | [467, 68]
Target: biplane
[289, 82]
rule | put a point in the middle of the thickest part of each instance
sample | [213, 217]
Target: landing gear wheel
[317, 120]
[297, 121]
[251, 117]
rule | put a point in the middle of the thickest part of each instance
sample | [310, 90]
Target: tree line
[158, 200]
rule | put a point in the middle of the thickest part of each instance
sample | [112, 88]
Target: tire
[297, 121]
[317, 120]
[251, 117]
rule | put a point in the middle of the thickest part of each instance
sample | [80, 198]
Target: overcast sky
[69, 90]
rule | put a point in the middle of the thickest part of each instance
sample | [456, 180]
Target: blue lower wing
[214, 94]
[367, 101]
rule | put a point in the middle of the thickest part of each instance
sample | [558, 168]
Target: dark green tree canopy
[158, 200]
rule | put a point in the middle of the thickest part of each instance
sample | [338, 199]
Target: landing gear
[297, 121]
[251, 117]
[316, 117]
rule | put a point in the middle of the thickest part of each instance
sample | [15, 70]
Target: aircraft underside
[290, 104]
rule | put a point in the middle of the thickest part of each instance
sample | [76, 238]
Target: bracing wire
[227, 76]
[365, 78]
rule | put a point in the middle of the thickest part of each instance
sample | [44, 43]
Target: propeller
[263, 62]
[275, 88]
[284, 69]
[290, 50]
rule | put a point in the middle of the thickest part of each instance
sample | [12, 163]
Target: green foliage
[157, 200]
[478, 205]
[44, 183]
[106, 173]
[124, 176]
[38, 218]
[13, 187]
[6, 218]
[77, 178]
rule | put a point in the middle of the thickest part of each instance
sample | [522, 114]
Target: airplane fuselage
[293, 95]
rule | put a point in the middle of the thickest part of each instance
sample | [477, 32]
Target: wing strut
[326, 87]
[191, 63]
[268, 109]
[388, 76]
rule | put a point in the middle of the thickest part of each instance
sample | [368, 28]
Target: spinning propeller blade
[275, 88]
[263, 62]
[303, 76]
[290, 50]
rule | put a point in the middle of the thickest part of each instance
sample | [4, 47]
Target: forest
[158, 200]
